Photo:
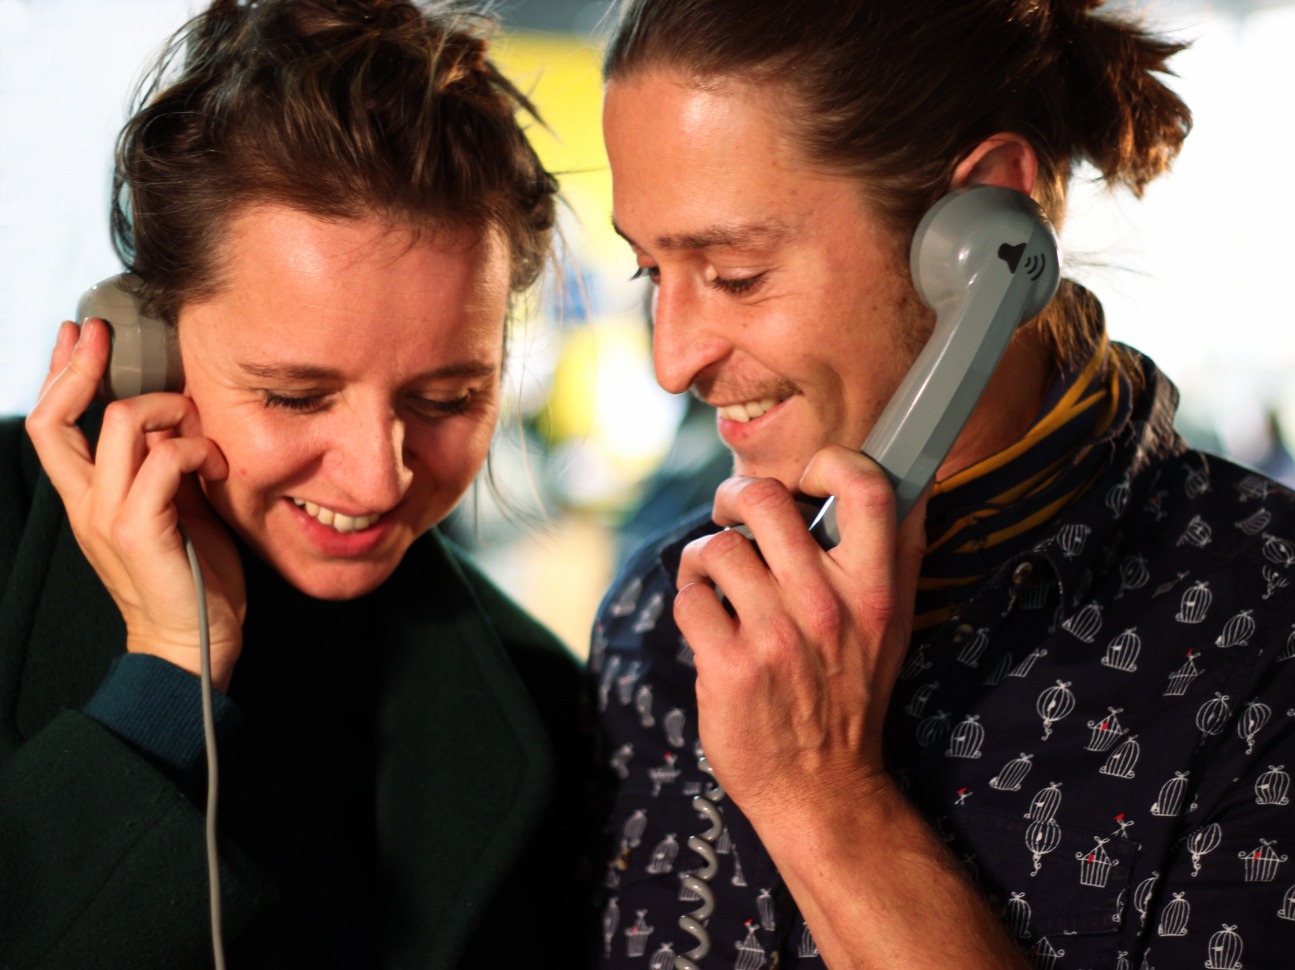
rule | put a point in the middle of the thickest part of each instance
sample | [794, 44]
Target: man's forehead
[743, 235]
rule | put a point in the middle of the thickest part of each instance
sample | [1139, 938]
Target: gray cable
[209, 735]
[694, 923]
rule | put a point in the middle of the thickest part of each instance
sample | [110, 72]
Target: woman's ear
[1006, 160]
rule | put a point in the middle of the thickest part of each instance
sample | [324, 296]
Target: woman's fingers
[76, 368]
[124, 443]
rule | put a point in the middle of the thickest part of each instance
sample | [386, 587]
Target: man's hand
[793, 689]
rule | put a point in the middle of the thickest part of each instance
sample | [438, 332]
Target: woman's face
[349, 371]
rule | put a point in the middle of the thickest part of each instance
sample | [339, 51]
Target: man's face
[781, 300]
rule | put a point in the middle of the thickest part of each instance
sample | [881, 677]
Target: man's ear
[1006, 160]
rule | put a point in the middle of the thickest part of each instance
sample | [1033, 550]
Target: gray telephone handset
[986, 260]
[145, 354]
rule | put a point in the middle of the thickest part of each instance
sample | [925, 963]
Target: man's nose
[368, 463]
[686, 335]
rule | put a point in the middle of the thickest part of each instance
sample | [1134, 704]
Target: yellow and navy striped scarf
[983, 515]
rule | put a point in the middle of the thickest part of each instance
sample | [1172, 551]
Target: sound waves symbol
[1034, 264]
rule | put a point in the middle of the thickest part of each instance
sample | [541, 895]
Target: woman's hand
[127, 499]
[792, 690]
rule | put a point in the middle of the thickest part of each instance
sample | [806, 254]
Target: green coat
[102, 858]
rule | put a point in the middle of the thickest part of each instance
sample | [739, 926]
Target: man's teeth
[336, 520]
[742, 413]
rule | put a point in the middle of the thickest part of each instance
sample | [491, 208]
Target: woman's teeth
[742, 413]
[336, 520]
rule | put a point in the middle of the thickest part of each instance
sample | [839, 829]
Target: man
[1045, 714]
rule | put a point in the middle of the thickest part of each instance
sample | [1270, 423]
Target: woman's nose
[368, 463]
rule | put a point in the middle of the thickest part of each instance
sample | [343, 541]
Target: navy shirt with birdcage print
[1102, 730]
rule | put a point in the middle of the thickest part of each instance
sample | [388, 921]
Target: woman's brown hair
[897, 92]
[339, 108]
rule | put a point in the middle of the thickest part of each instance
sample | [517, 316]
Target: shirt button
[1022, 573]
[963, 631]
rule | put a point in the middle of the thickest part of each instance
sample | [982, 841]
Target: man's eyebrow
[742, 236]
[308, 373]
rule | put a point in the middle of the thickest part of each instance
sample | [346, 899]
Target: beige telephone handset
[145, 354]
[145, 357]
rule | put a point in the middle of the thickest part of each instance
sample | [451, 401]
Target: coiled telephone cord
[706, 805]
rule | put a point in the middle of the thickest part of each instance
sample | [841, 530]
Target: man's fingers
[774, 518]
[865, 511]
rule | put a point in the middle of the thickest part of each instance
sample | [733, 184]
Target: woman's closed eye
[443, 407]
[304, 402]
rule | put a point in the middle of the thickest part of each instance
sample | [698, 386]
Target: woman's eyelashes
[293, 402]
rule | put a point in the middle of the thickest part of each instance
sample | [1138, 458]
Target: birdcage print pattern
[1288, 652]
[1172, 794]
[1012, 775]
[1054, 704]
[967, 738]
[1237, 631]
[1117, 497]
[1195, 604]
[1224, 950]
[1261, 863]
[1255, 522]
[974, 648]
[664, 854]
[1287, 910]
[1041, 837]
[1045, 804]
[643, 704]
[1142, 894]
[1106, 731]
[1202, 842]
[1123, 760]
[1127, 676]
[1044, 955]
[1198, 533]
[1085, 624]
[932, 729]
[1072, 539]
[1273, 581]
[1134, 574]
[1181, 679]
[1279, 551]
[917, 705]
[750, 954]
[1175, 917]
[1254, 718]
[664, 774]
[663, 958]
[637, 935]
[1122, 652]
[1095, 865]
[807, 949]
[1212, 717]
[1022, 669]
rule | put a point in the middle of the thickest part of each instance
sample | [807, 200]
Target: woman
[1048, 731]
[334, 204]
